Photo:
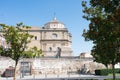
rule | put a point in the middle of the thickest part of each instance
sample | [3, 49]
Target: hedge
[116, 70]
[106, 71]
[101, 72]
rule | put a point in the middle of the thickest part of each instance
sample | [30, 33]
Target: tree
[33, 52]
[17, 39]
[104, 30]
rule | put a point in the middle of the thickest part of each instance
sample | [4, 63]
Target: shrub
[106, 71]
[101, 72]
[116, 70]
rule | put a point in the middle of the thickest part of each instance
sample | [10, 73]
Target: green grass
[117, 74]
[112, 79]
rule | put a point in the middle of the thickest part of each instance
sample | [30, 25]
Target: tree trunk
[15, 70]
[113, 70]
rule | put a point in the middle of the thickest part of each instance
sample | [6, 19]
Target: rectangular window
[35, 37]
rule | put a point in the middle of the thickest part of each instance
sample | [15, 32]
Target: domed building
[51, 36]
[54, 24]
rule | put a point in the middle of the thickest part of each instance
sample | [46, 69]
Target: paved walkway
[60, 77]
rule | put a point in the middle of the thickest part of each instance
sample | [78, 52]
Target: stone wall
[53, 65]
[62, 65]
[5, 63]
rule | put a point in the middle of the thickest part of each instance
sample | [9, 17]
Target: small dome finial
[54, 19]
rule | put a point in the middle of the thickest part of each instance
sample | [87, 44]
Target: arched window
[50, 49]
[54, 35]
[35, 37]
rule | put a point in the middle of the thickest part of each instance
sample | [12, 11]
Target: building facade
[50, 37]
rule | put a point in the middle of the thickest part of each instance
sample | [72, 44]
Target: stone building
[49, 38]
[52, 35]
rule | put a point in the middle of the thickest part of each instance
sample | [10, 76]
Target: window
[50, 49]
[35, 37]
[54, 36]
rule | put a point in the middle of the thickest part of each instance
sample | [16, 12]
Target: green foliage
[105, 71]
[112, 79]
[33, 52]
[5, 52]
[17, 39]
[104, 30]
[116, 70]
[102, 72]
[104, 22]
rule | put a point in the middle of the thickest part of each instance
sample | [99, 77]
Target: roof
[54, 24]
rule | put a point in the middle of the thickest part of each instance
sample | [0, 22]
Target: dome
[54, 24]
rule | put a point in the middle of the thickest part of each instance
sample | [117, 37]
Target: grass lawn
[112, 75]
[112, 79]
[115, 74]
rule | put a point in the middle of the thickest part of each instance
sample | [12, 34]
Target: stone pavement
[60, 77]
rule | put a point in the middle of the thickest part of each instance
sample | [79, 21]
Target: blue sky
[38, 12]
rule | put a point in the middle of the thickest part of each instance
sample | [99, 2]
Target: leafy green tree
[104, 30]
[17, 39]
[33, 52]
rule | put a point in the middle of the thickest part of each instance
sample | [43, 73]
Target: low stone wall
[53, 65]
[5, 63]
[62, 65]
